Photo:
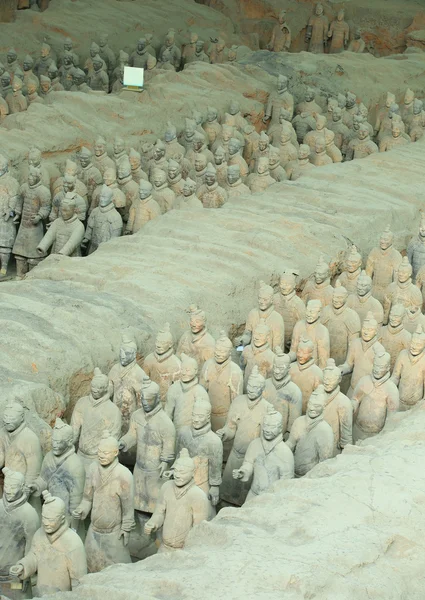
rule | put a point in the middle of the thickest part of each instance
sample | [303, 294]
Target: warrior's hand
[77, 513]
[35, 220]
[31, 488]
[16, 570]
[150, 528]
[125, 535]
[122, 446]
[214, 494]
[238, 473]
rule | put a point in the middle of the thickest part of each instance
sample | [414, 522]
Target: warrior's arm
[127, 504]
[345, 426]
[77, 566]
[74, 241]
[130, 438]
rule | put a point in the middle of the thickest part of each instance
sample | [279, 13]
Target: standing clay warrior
[104, 223]
[320, 288]
[223, 380]
[6, 84]
[281, 35]
[182, 394]
[108, 496]
[318, 133]
[20, 448]
[268, 459]
[211, 126]
[217, 52]
[352, 271]
[137, 172]
[221, 167]
[374, 397]
[402, 291]
[357, 44]
[170, 48]
[360, 355]
[262, 150]
[236, 158]
[382, 264]
[42, 64]
[158, 161]
[311, 438]
[243, 425]
[162, 365]
[304, 372]
[118, 197]
[27, 66]
[251, 144]
[258, 353]
[68, 47]
[18, 523]
[92, 415]
[154, 435]
[68, 191]
[331, 149]
[317, 31]
[33, 207]
[188, 199]
[128, 187]
[395, 140]
[235, 187]
[382, 116]
[143, 210]
[16, 101]
[265, 313]
[261, 180]
[90, 175]
[342, 323]
[210, 193]
[312, 329]
[394, 337]
[309, 105]
[416, 125]
[106, 53]
[198, 173]
[56, 554]
[277, 100]
[406, 107]
[200, 55]
[416, 249]
[181, 506]
[336, 125]
[198, 342]
[287, 150]
[274, 131]
[288, 304]
[172, 146]
[9, 191]
[174, 177]
[88, 66]
[223, 140]
[12, 61]
[62, 472]
[295, 169]
[206, 449]
[412, 318]
[199, 148]
[139, 57]
[66, 70]
[186, 137]
[363, 302]
[409, 371]
[4, 109]
[162, 194]
[282, 393]
[79, 83]
[338, 410]
[98, 80]
[276, 171]
[33, 97]
[319, 157]
[361, 146]
[66, 233]
[339, 31]
[53, 75]
[101, 159]
[351, 110]
[35, 160]
[188, 54]
[118, 73]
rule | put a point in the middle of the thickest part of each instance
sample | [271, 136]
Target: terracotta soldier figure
[197, 173]
[159, 160]
[235, 157]
[288, 304]
[318, 133]
[409, 371]
[402, 291]
[351, 110]
[108, 496]
[66, 70]
[416, 249]
[162, 365]
[382, 264]
[412, 318]
[68, 47]
[317, 31]
[243, 424]
[137, 172]
[12, 60]
[260, 180]
[319, 157]
[188, 199]
[311, 327]
[104, 223]
[206, 449]
[69, 184]
[62, 472]
[56, 554]
[210, 193]
[120, 155]
[382, 115]
[363, 302]
[361, 146]
[53, 74]
[139, 57]
[282, 393]
[66, 233]
[211, 126]
[27, 66]
[154, 435]
[142, 210]
[235, 186]
[416, 126]
[118, 196]
[281, 35]
[265, 313]
[223, 380]
[90, 175]
[357, 44]
[395, 140]
[189, 49]
[295, 169]
[342, 322]
[339, 31]
[71, 169]
[98, 80]
[394, 337]
[275, 130]
[407, 106]
[9, 197]
[92, 415]
[304, 372]
[331, 149]
[6, 86]
[33, 97]
[287, 151]
[106, 53]
[276, 171]
[337, 125]
[181, 394]
[338, 410]
[374, 397]
[352, 271]
[198, 342]
[174, 177]
[101, 159]
[258, 353]
[88, 66]
[42, 64]
[311, 438]
[181, 505]
[171, 47]
[277, 100]
[268, 459]
[18, 523]
[360, 355]
[16, 101]
[128, 187]
[320, 288]
[172, 146]
[221, 167]
[309, 105]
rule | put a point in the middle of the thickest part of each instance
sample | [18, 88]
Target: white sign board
[133, 77]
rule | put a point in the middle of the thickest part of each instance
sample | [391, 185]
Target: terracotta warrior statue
[171, 48]
[211, 126]
[258, 353]
[357, 44]
[382, 115]
[235, 186]
[221, 167]
[338, 410]
[104, 223]
[18, 523]
[120, 155]
[9, 197]
[66, 70]
[260, 180]
[108, 498]
[90, 175]
[128, 187]
[288, 304]
[339, 31]
[181, 505]
[282, 393]
[33, 206]
[69, 47]
[319, 157]
[352, 270]
[182, 393]
[197, 173]
[409, 371]
[304, 372]
[16, 101]
[318, 133]
[174, 177]
[33, 96]
[331, 149]
[374, 397]
[154, 435]
[311, 438]
[412, 318]
[42, 64]
[407, 106]
[119, 198]
[311, 327]
[88, 65]
[295, 169]
[265, 313]
[382, 264]
[139, 58]
[189, 49]
[211, 194]
[66, 233]
[396, 139]
[416, 249]
[281, 98]
[172, 146]
[416, 126]
[394, 337]
[198, 342]
[98, 80]
[12, 60]
[142, 210]
[236, 158]
[6, 86]
[402, 291]
[56, 554]
[281, 35]
[363, 302]
[137, 172]
[92, 415]
[320, 288]
[268, 459]
[106, 53]
[223, 380]
[287, 151]
[62, 472]
[342, 322]
[162, 365]
[101, 159]
[206, 449]
[68, 190]
[337, 125]
[188, 200]
[317, 31]
[71, 169]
